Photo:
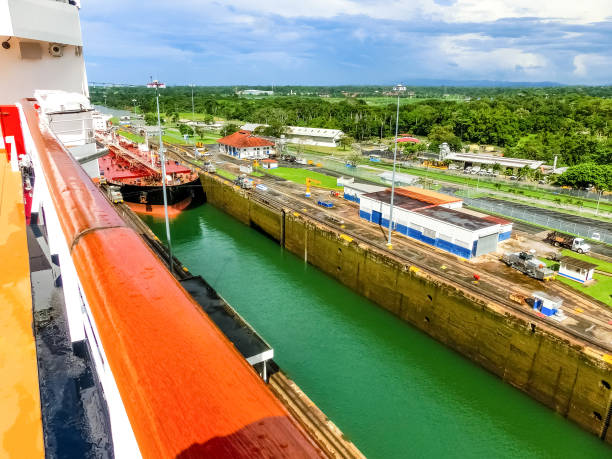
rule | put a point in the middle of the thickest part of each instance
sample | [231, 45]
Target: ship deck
[130, 166]
[21, 432]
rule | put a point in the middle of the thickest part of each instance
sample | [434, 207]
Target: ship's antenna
[162, 157]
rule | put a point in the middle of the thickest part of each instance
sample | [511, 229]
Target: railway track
[454, 273]
[324, 432]
[459, 275]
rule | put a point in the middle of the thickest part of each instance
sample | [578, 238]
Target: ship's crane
[309, 182]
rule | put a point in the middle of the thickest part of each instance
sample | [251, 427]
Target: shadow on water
[394, 391]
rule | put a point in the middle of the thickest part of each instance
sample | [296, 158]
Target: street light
[156, 84]
[134, 102]
[397, 88]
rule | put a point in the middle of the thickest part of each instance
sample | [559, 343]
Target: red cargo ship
[138, 174]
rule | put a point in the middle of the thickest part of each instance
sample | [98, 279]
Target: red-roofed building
[244, 145]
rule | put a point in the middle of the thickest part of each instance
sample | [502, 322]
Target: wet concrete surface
[497, 281]
[74, 414]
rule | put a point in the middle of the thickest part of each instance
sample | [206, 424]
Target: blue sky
[265, 42]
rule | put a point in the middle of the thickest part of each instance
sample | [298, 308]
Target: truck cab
[578, 245]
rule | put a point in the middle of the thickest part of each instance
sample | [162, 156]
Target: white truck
[576, 244]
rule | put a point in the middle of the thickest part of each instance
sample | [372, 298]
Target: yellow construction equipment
[309, 182]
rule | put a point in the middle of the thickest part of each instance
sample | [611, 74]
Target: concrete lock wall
[563, 375]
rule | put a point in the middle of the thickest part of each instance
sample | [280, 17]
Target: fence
[536, 217]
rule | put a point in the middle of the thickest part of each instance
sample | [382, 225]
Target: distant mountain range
[480, 83]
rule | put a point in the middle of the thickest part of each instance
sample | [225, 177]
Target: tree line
[534, 123]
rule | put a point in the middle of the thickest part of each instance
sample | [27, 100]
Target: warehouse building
[435, 219]
[244, 145]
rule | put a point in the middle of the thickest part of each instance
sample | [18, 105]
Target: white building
[433, 218]
[306, 135]
[255, 92]
[244, 145]
[400, 178]
[578, 270]
[100, 120]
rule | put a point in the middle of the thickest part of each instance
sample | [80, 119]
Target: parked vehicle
[327, 204]
[261, 186]
[209, 167]
[244, 182]
[576, 244]
[527, 263]
[114, 194]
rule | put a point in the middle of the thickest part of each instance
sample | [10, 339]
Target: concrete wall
[552, 369]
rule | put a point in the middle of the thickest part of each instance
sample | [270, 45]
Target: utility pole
[162, 158]
[192, 105]
[598, 199]
[397, 88]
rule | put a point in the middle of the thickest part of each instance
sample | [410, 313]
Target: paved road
[571, 218]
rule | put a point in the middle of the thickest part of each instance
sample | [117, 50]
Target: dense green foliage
[536, 123]
[587, 175]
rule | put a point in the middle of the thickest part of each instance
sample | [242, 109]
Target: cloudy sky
[261, 42]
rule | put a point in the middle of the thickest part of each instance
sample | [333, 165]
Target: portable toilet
[546, 304]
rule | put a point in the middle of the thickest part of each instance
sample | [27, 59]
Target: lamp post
[156, 84]
[134, 102]
[397, 88]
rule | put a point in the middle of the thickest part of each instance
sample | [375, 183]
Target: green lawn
[300, 175]
[226, 174]
[257, 174]
[316, 149]
[381, 100]
[208, 138]
[600, 290]
[173, 136]
[133, 137]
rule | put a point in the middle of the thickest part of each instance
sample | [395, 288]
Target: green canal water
[394, 391]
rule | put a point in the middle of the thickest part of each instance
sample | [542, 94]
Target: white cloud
[593, 66]
[571, 11]
[475, 53]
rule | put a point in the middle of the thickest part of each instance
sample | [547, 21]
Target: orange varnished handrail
[186, 390]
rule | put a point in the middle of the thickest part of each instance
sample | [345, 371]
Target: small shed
[575, 269]
[269, 163]
[546, 304]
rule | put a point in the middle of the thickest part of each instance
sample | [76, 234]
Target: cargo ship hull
[150, 199]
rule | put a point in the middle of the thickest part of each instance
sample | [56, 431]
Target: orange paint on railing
[186, 390]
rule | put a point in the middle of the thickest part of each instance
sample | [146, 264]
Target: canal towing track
[576, 345]
[328, 437]
[584, 310]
